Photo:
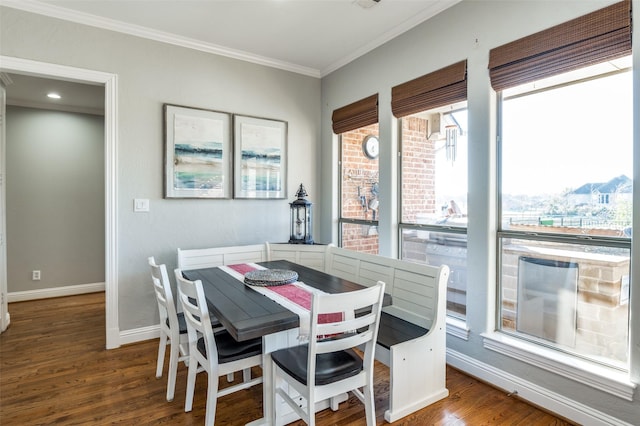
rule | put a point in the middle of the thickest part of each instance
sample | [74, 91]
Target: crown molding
[33, 6]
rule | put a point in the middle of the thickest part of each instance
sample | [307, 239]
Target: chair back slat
[346, 325]
[196, 314]
[164, 295]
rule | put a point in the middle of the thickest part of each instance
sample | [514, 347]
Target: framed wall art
[198, 153]
[260, 157]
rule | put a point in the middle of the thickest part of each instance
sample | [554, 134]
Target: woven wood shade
[443, 87]
[358, 114]
[597, 37]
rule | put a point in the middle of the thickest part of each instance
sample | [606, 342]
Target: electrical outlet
[35, 275]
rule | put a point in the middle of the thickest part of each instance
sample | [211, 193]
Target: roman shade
[358, 114]
[443, 87]
[597, 37]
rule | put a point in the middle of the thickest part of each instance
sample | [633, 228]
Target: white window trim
[607, 379]
[458, 328]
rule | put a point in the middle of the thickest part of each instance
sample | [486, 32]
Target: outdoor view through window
[433, 175]
[565, 176]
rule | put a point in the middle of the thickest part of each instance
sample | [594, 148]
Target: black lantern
[301, 219]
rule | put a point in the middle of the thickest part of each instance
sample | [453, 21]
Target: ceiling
[310, 37]
[30, 91]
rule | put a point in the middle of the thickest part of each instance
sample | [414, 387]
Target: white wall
[150, 74]
[55, 198]
[466, 31]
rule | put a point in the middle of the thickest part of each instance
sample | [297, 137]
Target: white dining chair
[327, 365]
[173, 328]
[219, 354]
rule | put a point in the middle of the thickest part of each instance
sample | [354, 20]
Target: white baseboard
[140, 334]
[537, 395]
[46, 293]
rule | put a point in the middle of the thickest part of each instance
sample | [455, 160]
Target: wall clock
[371, 146]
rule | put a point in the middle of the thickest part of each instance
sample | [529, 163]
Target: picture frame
[198, 153]
[260, 157]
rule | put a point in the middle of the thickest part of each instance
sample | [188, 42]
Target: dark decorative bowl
[270, 277]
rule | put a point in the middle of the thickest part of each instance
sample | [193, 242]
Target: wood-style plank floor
[54, 369]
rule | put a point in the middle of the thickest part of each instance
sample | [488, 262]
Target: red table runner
[295, 294]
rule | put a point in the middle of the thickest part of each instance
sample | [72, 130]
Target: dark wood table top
[247, 314]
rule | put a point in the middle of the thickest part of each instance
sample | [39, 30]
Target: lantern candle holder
[301, 219]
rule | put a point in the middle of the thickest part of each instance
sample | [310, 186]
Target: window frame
[456, 325]
[583, 369]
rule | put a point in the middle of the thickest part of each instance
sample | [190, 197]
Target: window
[357, 125]
[433, 175]
[562, 183]
[565, 187]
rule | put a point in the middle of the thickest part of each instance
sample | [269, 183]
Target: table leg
[271, 343]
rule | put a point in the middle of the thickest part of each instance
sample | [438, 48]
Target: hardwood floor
[54, 369]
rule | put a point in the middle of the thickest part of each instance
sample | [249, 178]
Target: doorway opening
[109, 83]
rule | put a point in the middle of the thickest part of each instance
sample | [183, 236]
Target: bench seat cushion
[394, 330]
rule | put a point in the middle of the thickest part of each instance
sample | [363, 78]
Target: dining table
[247, 313]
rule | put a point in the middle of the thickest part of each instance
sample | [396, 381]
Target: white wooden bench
[412, 334]
[217, 256]
[309, 255]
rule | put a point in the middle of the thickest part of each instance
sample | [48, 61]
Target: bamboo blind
[445, 86]
[358, 114]
[597, 37]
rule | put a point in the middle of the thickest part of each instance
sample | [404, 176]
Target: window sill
[600, 377]
[457, 327]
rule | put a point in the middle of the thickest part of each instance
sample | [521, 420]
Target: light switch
[141, 205]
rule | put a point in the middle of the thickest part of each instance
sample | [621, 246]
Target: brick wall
[418, 170]
[359, 175]
[602, 322]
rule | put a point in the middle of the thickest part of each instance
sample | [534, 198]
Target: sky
[567, 137]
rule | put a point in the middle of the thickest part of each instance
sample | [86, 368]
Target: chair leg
[273, 396]
[191, 383]
[230, 377]
[246, 375]
[335, 404]
[173, 370]
[212, 399]
[161, 348]
[369, 405]
[311, 412]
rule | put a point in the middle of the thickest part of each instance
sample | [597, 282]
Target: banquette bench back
[217, 256]
[309, 255]
[414, 288]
